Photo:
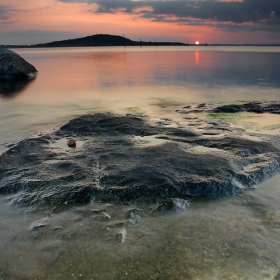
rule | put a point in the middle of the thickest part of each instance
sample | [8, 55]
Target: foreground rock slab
[129, 158]
[14, 67]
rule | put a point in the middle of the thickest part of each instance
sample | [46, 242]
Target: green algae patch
[134, 110]
[233, 118]
[236, 102]
[247, 120]
[271, 127]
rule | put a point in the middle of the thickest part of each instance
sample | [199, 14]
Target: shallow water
[227, 238]
[148, 140]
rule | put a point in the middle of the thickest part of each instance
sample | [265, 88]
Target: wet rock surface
[13, 67]
[128, 158]
[272, 107]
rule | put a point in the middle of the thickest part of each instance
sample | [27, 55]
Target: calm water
[229, 238]
[156, 81]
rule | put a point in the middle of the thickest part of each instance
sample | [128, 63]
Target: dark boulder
[14, 67]
[116, 161]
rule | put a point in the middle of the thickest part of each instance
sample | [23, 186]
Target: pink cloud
[142, 9]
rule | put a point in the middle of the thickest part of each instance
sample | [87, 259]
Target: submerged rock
[272, 107]
[14, 67]
[111, 163]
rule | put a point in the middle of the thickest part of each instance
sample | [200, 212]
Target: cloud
[29, 37]
[3, 13]
[263, 14]
[6, 13]
[8, 22]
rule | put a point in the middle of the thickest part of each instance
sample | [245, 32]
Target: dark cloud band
[263, 14]
[3, 13]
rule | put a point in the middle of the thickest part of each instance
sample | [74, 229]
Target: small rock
[71, 143]
[38, 224]
[121, 235]
[107, 216]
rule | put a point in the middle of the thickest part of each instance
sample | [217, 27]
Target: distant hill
[99, 40]
[94, 40]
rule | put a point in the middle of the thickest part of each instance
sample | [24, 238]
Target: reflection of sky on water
[230, 69]
[96, 70]
[77, 81]
[197, 57]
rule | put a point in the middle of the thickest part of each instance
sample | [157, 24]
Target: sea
[207, 238]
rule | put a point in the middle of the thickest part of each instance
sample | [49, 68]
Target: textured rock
[272, 107]
[128, 158]
[14, 67]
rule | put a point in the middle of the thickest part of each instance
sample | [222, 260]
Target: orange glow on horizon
[74, 19]
[80, 18]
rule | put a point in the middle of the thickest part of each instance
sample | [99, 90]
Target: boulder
[117, 162]
[14, 67]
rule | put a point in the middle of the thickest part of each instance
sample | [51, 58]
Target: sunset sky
[206, 21]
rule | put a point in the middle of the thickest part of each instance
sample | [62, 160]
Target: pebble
[71, 143]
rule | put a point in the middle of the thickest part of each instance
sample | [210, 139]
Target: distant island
[106, 40]
[98, 40]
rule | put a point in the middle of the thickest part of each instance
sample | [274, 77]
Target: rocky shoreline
[128, 158]
[259, 107]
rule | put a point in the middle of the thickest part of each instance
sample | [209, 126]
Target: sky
[187, 21]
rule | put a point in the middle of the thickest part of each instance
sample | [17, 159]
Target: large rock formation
[14, 67]
[128, 158]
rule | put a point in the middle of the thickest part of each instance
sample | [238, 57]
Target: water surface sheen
[228, 238]
[156, 80]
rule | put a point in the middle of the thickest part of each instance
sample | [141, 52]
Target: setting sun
[197, 43]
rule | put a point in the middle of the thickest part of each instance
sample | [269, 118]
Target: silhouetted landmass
[97, 41]
[101, 40]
